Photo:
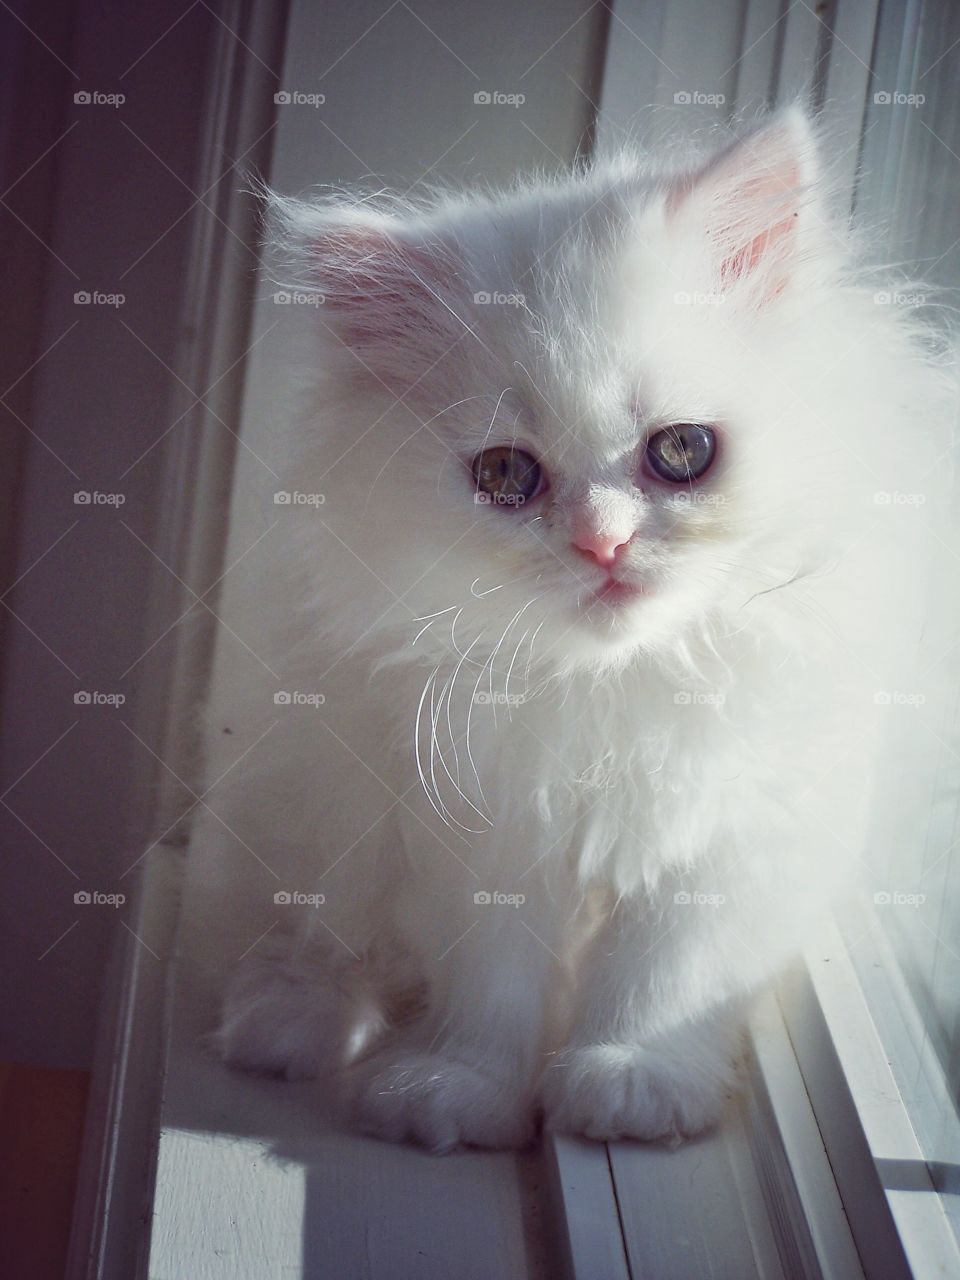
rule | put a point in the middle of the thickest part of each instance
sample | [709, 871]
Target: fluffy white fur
[677, 786]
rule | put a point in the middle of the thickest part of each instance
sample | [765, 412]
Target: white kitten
[598, 600]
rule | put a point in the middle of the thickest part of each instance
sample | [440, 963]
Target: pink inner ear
[378, 287]
[747, 202]
[776, 195]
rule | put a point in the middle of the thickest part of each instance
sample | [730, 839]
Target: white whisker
[466, 799]
[439, 614]
[506, 684]
[436, 752]
[496, 650]
[526, 673]
[422, 776]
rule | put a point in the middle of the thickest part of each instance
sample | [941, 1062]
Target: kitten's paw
[608, 1091]
[283, 1016]
[439, 1102]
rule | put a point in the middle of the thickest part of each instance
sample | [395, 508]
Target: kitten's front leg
[467, 1074]
[657, 1023]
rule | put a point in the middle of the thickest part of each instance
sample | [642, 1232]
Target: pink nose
[602, 547]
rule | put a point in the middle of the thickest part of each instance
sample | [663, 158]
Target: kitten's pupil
[506, 475]
[682, 452]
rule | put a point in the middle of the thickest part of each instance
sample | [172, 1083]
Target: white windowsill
[242, 1177]
[896, 1215]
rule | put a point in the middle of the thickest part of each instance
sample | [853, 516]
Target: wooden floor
[41, 1123]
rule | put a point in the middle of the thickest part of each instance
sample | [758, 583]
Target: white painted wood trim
[213, 358]
[697, 1211]
[808, 1219]
[757, 1198]
[913, 1057]
[585, 1209]
[896, 1215]
[110, 1230]
[112, 1208]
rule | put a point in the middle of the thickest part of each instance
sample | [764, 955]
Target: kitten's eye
[506, 475]
[682, 452]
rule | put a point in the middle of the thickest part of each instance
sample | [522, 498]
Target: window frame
[896, 1213]
[823, 1118]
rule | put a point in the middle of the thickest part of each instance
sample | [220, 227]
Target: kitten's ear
[756, 205]
[390, 292]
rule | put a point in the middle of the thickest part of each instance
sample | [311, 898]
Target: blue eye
[682, 452]
[506, 476]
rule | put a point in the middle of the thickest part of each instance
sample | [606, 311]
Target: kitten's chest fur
[639, 776]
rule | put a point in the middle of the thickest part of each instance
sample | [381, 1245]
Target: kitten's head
[607, 409]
